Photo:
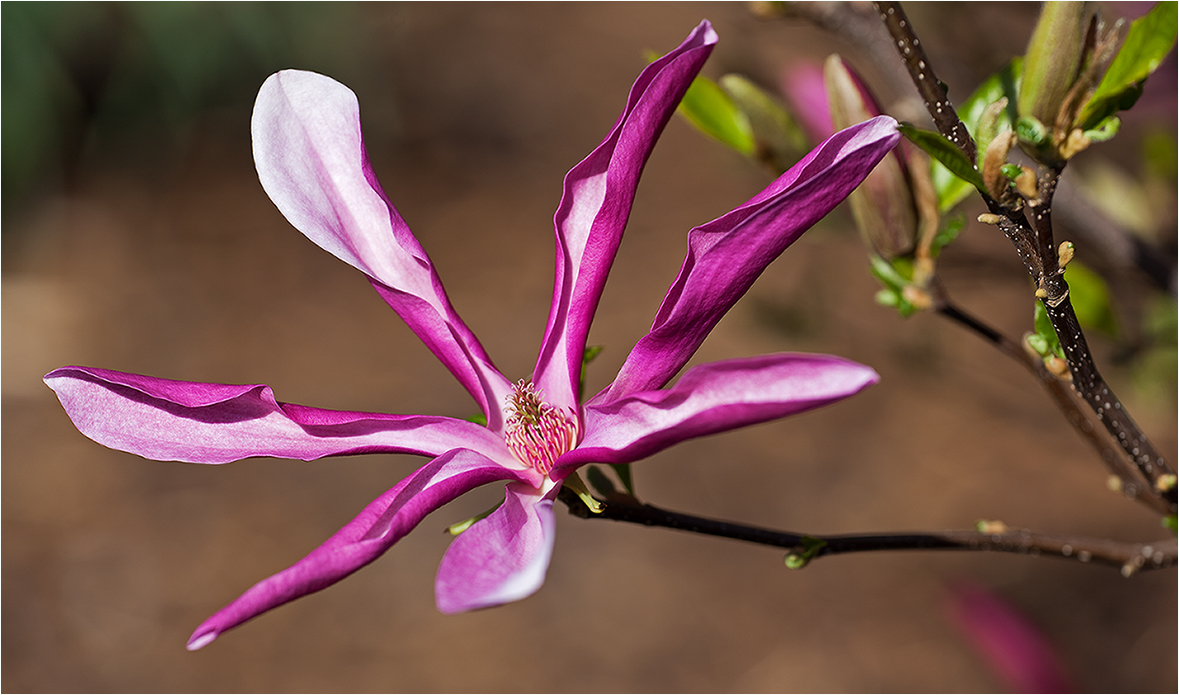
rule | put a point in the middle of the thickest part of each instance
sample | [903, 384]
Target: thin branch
[1132, 486]
[1129, 557]
[1033, 239]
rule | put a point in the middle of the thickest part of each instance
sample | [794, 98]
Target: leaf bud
[1052, 61]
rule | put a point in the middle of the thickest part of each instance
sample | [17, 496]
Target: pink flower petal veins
[595, 206]
[311, 160]
[169, 420]
[382, 523]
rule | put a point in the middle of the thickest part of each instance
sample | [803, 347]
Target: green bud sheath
[1052, 60]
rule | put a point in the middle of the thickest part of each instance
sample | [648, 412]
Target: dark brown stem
[931, 89]
[1132, 486]
[1129, 557]
[1033, 240]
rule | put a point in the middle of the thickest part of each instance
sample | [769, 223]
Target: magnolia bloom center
[537, 433]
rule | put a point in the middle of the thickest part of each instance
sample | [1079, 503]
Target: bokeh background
[136, 237]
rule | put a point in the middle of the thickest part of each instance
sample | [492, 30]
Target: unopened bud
[1053, 57]
[883, 205]
[989, 218]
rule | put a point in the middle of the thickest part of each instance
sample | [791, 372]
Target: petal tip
[200, 639]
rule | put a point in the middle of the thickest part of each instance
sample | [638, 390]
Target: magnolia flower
[311, 161]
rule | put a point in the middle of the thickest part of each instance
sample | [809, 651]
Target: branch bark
[1030, 230]
[1130, 558]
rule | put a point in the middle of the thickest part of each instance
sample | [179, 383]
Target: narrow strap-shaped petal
[726, 255]
[311, 160]
[594, 209]
[502, 558]
[712, 398]
[170, 420]
[382, 523]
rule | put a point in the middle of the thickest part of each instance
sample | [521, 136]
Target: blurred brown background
[136, 237]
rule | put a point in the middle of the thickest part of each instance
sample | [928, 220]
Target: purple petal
[502, 558]
[311, 160]
[170, 420]
[382, 523]
[726, 255]
[595, 206]
[713, 398]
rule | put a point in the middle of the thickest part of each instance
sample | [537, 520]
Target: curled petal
[382, 523]
[726, 255]
[595, 206]
[713, 398]
[311, 160]
[170, 420]
[502, 558]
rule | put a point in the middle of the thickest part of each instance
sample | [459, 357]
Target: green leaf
[945, 152]
[1105, 130]
[1090, 297]
[479, 419]
[952, 190]
[895, 275]
[951, 227]
[1169, 523]
[623, 471]
[1148, 41]
[707, 107]
[1044, 340]
[591, 352]
[1004, 83]
[456, 529]
[773, 129]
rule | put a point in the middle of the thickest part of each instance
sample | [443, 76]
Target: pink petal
[382, 523]
[595, 206]
[726, 255]
[502, 558]
[170, 420]
[804, 86]
[311, 160]
[713, 398]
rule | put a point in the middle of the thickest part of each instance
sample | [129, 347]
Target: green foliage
[951, 227]
[944, 151]
[776, 136]
[1044, 340]
[714, 113]
[1105, 130]
[591, 352]
[1147, 42]
[895, 275]
[951, 189]
[1090, 297]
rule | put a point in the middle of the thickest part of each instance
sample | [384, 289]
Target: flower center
[537, 433]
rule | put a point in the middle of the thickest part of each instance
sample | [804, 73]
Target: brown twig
[1132, 485]
[803, 547]
[1031, 233]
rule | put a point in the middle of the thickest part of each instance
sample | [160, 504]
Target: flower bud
[883, 205]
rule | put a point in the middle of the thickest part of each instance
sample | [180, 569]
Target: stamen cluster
[537, 433]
